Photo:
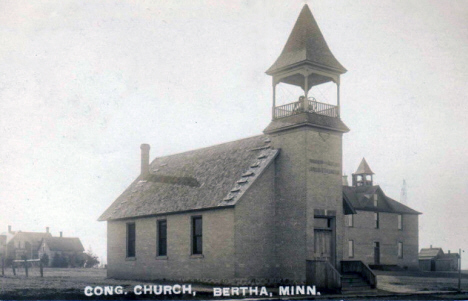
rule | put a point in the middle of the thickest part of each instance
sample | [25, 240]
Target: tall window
[162, 238]
[400, 222]
[131, 238]
[400, 249]
[376, 218]
[197, 235]
[350, 220]
[350, 248]
[376, 200]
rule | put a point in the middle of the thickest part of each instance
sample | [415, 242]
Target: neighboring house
[25, 244]
[270, 207]
[3, 241]
[70, 248]
[382, 231]
[434, 259]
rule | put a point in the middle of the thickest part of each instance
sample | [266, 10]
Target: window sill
[130, 258]
[162, 258]
[197, 256]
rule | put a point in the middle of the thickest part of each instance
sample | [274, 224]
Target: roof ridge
[206, 147]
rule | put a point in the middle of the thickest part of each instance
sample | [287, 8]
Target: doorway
[324, 240]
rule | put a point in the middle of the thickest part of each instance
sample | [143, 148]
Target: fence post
[40, 268]
[26, 267]
[13, 267]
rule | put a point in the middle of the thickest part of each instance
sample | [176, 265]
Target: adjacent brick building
[269, 207]
[382, 231]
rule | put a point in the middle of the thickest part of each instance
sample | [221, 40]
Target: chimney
[431, 246]
[61, 234]
[47, 229]
[345, 180]
[9, 229]
[449, 251]
[145, 148]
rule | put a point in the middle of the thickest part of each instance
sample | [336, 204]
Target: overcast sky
[84, 83]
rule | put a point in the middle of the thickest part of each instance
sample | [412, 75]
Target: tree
[91, 260]
[45, 259]
[59, 261]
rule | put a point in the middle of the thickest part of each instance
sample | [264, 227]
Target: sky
[84, 83]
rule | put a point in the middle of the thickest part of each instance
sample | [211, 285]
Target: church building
[270, 208]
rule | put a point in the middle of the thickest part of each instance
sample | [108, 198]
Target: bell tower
[309, 197]
[306, 62]
[363, 175]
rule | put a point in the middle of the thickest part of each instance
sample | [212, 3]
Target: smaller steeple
[363, 175]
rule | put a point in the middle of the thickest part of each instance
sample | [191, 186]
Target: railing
[310, 105]
[323, 275]
[360, 267]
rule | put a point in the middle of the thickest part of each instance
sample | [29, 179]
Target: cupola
[363, 175]
[306, 61]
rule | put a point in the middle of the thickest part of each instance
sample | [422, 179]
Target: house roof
[360, 198]
[364, 168]
[32, 237]
[212, 177]
[306, 44]
[430, 253]
[450, 256]
[65, 244]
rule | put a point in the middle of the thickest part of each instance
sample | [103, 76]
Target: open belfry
[269, 209]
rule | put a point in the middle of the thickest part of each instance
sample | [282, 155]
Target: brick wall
[308, 177]
[364, 235]
[218, 248]
[324, 183]
[290, 204]
[255, 229]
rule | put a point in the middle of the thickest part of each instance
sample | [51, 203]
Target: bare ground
[70, 283]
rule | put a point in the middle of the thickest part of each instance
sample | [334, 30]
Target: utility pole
[459, 269]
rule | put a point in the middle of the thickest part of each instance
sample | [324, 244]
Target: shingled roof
[211, 177]
[430, 253]
[34, 238]
[360, 199]
[306, 44]
[364, 168]
[64, 244]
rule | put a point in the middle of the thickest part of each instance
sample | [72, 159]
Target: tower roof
[364, 168]
[306, 44]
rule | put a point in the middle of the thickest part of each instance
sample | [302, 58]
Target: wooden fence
[25, 263]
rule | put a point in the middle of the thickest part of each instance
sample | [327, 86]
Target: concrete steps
[354, 282]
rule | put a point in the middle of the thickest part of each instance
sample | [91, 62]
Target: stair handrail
[369, 275]
[362, 268]
[336, 273]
